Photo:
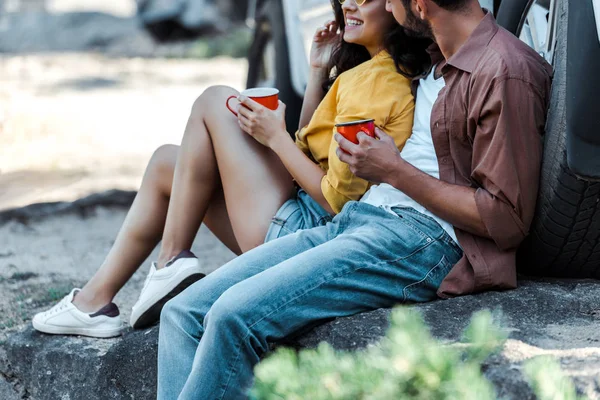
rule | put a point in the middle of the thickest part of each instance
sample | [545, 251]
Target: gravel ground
[42, 261]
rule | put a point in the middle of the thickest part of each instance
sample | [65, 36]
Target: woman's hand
[324, 41]
[262, 123]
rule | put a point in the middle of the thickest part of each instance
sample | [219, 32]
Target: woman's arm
[268, 128]
[304, 171]
[313, 96]
[324, 41]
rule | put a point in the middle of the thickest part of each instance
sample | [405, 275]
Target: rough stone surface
[50, 367]
[7, 391]
[559, 318]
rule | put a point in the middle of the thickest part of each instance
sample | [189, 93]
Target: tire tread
[565, 232]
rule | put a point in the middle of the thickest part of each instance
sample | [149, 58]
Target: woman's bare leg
[137, 237]
[142, 230]
[255, 182]
[184, 186]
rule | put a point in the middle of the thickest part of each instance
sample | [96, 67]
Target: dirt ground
[43, 261]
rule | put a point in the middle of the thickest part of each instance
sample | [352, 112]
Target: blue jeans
[215, 332]
[299, 212]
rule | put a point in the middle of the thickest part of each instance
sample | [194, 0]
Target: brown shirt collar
[469, 53]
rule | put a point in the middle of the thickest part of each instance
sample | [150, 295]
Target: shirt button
[437, 124]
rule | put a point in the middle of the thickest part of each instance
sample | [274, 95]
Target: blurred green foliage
[407, 364]
[548, 381]
[232, 44]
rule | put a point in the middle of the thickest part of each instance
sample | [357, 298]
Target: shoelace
[148, 278]
[57, 308]
[146, 282]
[151, 273]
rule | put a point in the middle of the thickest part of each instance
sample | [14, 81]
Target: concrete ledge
[55, 367]
[561, 318]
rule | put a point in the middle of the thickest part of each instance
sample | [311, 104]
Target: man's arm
[380, 161]
[506, 162]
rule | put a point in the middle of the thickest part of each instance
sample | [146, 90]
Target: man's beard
[415, 27]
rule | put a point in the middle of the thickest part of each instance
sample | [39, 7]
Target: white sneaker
[162, 285]
[66, 319]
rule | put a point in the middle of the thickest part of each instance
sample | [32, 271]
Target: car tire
[270, 29]
[564, 239]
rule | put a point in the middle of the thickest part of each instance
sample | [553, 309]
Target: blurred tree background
[90, 88]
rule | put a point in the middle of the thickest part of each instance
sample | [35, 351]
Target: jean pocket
[426, 288]
[424, 223]
[323, 220]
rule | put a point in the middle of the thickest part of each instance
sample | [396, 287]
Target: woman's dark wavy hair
[409, 53]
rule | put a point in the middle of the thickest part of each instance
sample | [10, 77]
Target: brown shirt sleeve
[507, 153]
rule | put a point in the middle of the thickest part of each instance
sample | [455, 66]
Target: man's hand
[371, 159]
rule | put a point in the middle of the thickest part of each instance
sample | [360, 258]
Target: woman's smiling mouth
[352, 22]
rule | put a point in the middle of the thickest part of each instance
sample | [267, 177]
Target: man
[404, 240]
[486, 128]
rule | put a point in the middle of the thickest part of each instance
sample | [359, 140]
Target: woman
[236, 174]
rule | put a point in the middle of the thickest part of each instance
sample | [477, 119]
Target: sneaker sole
[91, 332]
[149, 312]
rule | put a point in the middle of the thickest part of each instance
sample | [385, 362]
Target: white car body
[596, 4]
[302, 18]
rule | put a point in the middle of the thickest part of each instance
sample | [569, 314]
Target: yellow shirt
[373, 89]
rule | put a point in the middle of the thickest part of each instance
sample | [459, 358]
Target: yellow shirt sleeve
[315, 138]
[381, 93]
[301, 142]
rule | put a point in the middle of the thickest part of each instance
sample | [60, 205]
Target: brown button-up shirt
[487, 126]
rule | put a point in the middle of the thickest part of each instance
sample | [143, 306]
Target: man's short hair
[450, 5]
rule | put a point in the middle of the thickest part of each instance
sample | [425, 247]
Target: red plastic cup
[268, 97]
[349, 130]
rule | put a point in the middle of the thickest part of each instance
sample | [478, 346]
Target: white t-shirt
[418, 151]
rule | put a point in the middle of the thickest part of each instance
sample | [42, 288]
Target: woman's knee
[214, 96]
[162, 163]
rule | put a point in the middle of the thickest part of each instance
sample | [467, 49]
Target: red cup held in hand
[268, 97]
[349, 130]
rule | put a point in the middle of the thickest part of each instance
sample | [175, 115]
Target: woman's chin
[351, 38]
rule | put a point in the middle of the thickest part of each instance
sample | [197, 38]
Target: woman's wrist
[318, 72]
[279, 142]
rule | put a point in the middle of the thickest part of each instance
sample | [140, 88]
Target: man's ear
[422, 8]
